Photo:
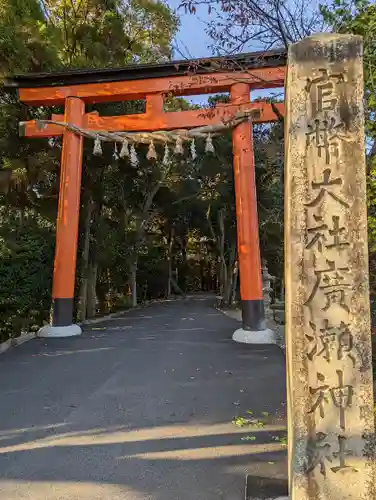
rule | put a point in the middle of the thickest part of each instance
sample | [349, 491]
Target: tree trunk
[202, 275]
[134, 281]
[145, 292]
[229, 276]
[82, 306]
[22, 215]
[221, 248]
[92, 296]
[169, 258]
[140, 233]
[220, 245]
[184, 260]
[176, 287]
[235, 277]
[109, 290]
[92, 290]
[169, 280]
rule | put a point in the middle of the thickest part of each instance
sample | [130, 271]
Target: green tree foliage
[26, 252]
[49, 35]
[26, 42]
[105, 33]
[145, 232]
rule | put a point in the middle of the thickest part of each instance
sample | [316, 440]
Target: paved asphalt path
[140, 407]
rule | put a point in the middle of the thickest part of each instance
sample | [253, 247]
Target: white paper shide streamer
[166, 157]
[97, 151]
[115, 154]
[133, 156]
[124, 149]
[209, 147]
[193, 150]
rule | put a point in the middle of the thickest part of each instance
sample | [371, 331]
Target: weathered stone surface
[327, 299]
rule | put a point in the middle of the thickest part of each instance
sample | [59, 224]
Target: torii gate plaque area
[75, 89]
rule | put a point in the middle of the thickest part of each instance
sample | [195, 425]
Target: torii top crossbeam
[238, 75]
[180, 78]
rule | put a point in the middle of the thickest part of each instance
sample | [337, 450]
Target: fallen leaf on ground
[248, 438]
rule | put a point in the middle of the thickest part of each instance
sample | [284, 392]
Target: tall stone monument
[330, 395]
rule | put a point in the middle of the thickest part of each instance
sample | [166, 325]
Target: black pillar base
[62, 312]
[253, 315]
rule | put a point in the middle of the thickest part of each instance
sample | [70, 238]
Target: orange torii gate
[74, 89]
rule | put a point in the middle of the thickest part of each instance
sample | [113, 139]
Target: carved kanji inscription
[326, 272]
[326, 188]
[323, 236]
[331, 342]
[319, 452]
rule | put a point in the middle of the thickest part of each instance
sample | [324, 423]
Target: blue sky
[193, 42]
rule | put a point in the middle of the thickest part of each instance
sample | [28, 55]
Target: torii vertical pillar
[254, 330]
[67, 227]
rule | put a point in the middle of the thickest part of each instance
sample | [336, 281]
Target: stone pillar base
[59, 331]
[266, 336]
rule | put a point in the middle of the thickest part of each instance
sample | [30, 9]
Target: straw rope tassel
[152, 154]
[179, 150]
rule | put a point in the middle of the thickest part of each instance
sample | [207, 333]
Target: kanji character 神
[341, 397]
